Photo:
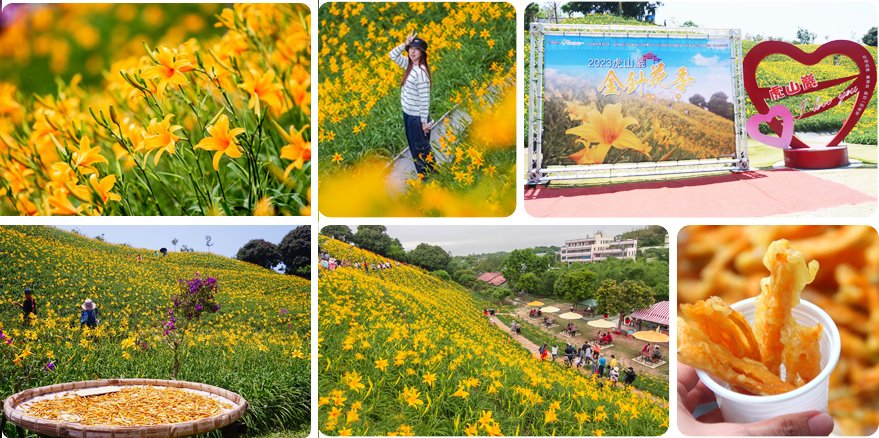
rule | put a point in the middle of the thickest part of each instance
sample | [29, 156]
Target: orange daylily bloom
[222, 140]
[262, 88]
[264, 207]
[84, 156]
[160, 135]
[170, 69]
[61, 205]
[298, 150]
[104, 186]
[607, 129]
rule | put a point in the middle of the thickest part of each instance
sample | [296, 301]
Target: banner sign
[617, 99]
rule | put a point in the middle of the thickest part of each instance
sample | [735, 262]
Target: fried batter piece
[780, 337]
[697, 350]
[723, 326]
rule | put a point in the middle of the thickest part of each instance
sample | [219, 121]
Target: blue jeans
[419, 143]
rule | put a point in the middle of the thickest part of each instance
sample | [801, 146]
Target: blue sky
[226, 239]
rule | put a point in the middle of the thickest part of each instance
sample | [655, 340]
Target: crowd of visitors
[330, 262]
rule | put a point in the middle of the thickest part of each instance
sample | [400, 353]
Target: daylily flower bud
[149, 52]
[113, 115]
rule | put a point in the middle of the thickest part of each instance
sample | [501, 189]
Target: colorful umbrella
[535, 303]
[600, 323]
[650, 336]
[549, 309]
[570, 315]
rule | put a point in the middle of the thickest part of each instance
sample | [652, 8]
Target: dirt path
[403, 167]
[533, 348]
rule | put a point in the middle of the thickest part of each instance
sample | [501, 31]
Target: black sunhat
[419, 44]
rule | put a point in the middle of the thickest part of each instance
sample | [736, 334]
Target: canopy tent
[570, 315]
[657, 313]
[651, 336]
[600, 323]
[549, 309]
[535, 303]
[590, 302]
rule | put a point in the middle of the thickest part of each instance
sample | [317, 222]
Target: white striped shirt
[415, 94]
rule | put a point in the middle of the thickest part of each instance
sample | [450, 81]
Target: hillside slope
[250, 346]
[402, 351]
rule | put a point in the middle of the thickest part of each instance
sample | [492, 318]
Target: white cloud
[712, 62]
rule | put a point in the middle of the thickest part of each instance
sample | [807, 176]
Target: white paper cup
[741, 408]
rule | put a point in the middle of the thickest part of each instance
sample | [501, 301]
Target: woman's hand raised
[410, 37]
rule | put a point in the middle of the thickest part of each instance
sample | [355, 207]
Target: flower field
[144, 122]
[257, 344]
[403, 353]
[360, 123]
[775, 70]
[780, 70]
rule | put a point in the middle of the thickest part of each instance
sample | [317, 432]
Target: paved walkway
[533, 348]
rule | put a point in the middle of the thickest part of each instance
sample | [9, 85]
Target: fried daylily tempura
[781, 338]
[697, 350]
[719, 340]
[723, 326]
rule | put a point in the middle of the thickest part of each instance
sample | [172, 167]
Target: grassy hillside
[250, 346]
[403, 352]
[779, 70]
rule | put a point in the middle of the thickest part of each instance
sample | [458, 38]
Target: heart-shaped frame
[863, 85]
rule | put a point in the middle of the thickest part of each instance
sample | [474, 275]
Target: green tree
[260, 253]
[576, 285]
[396, 251]
[718, 105]
[465, 277]
[699, 101]
[623, 298]
[531, 14]
[547, 282]
[520, 262]
[869, 38]
[689, 23]
[373, 238]
[442, 275]
[491, 263]
[804, 36]
[528, 282]
[637, 10]
[430, 257]
[295, 252]
[338, 232]
[500, 293]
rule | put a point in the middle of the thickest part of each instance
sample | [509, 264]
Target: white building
[597, 248]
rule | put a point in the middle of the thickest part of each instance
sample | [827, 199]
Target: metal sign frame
[540, 174]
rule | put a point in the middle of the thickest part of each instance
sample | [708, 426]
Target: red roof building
[492, 278]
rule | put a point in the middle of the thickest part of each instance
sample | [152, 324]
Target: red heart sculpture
[863, 86]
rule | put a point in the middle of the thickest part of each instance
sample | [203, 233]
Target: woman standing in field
[415, 98]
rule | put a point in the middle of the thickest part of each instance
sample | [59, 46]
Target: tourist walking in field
[601, 363]
[29, 307]
[415, 98]
[614, 375]
[555, 352]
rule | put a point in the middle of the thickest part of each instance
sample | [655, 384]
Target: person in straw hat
[87, 316]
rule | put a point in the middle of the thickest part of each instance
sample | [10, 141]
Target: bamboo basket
[17, 416]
